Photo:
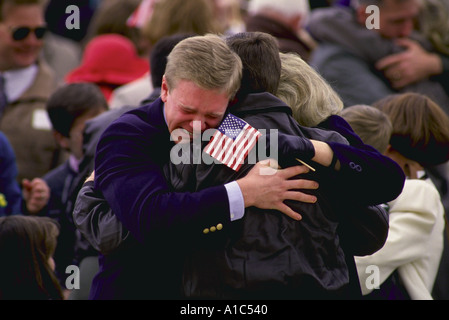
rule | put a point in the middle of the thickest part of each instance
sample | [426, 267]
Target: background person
[27, 245]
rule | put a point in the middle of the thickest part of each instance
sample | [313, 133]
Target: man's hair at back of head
[159, 54]
[14, 3]
[259, 53]
[370, 124]
[207, 62]
[72, 101]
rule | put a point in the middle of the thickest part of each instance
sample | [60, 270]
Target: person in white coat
[407, 265]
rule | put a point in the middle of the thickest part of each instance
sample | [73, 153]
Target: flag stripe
[240, 157]
[232, 142]
[248, 148]
[236, 144]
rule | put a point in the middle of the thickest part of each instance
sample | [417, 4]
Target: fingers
[394, 59]
[26, 184]
[300, 196]
[289, 212]
[406, 43]
[291, 172]
[389, 61]
[301, 184]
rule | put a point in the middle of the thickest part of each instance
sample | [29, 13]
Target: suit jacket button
[206, 231]
[212, 229]
[219, 226]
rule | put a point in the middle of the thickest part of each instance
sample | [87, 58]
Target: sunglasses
[20, 33]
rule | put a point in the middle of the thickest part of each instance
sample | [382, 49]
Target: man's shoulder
[142, 123]
[146, 116]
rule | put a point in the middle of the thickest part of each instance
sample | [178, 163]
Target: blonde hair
[311, 98]
[370, 124]
[207, 61]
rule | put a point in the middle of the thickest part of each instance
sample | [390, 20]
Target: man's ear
[164, 89]
[61, 140]
[387, 150]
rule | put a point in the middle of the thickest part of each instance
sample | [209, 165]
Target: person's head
[22, 27]
[259, 53]
[179, 16]
[201, 76]
[397, 18]
[311, 98]
[159, 54]
[27, 245]
[420, 129]
[292, 13]
[370, 124]
[69, 107]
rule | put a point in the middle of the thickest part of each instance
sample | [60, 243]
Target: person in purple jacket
[276, 109]
[202, 75]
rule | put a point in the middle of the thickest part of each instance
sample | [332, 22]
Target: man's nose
[407, 28]
[32, 40]
[198, 126]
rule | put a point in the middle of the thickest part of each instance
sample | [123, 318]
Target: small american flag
[232, 142]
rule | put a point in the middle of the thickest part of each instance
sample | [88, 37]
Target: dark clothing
[128, 170]
[288, 40]
[92, 132]
[10, 193]
[347, 54]
[259, 257]
[268, 255]
[60, 181]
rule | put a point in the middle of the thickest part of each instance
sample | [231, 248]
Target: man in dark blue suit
[202, 75]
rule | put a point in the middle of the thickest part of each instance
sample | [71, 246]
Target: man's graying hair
[207, 61]
[14, 3]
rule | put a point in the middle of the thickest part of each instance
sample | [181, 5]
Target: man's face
[397, 18]
[187, 104]
[20, 53]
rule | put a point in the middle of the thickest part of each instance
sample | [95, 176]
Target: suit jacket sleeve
[361, 163]
[128, 165]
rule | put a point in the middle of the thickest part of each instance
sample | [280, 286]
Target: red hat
[109, 60]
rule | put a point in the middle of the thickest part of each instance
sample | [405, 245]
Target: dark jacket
[10, 193]
[347, 54]
[268, 255]
[269, 112]
[128, 170]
